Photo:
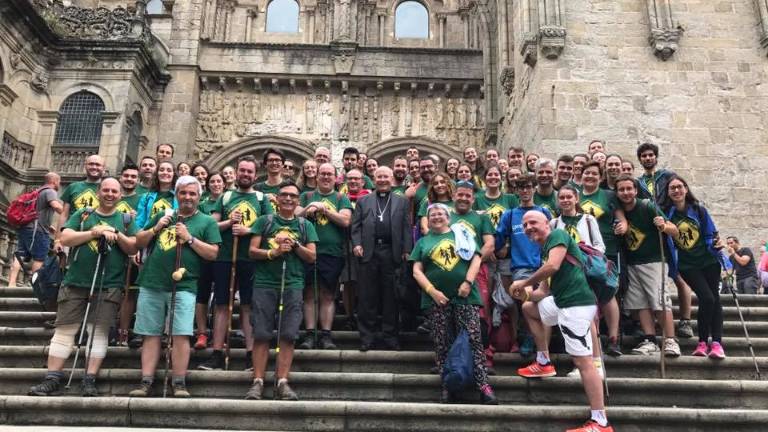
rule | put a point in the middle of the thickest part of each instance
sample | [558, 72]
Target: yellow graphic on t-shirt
[124, 207]
[322, 219]
[159, 207]
[167, 239]
[469, 227]
[444, 255]
[248, 213]
[344, 189]
[87, 198]
[689, 235]
[635, 238]
[494, 212]
[650, 185]
[282, 232]
[573, 232]
[94, 244]
[591, 208]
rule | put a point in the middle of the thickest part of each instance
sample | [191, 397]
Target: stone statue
[395, 119]
[450, 115]
[310, 114]
[439, 114]
[343, 31]
[424, 117]
[326, 113]
[461, 114]
[472, 115]
[408, 115]
[344, 118]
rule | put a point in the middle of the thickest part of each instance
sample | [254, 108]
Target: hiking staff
[176, 276]
[663, 305]
[103, 248]
[729, 277]
[231, 303]
[280, 320]
[314, 298]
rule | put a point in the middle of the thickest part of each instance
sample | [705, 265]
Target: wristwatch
[296, 244]
[191, 240]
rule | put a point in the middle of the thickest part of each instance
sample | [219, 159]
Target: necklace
[380, 210]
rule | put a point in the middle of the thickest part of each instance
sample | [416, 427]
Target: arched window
[154, 7]
[411, 21]
[80, 121]
[135, 127]
[283, 16]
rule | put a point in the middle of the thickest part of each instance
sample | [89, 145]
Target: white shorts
[574, 323]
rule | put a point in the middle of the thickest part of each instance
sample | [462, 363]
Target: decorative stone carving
[395, 121]
[762, 11]
[344, 118]
[529, 49]
[507, 80]
[552, 41]
[99, 23]
[343, 55]
[39, 82]
[665, 33]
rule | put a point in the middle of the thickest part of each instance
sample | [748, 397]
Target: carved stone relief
[665, 33]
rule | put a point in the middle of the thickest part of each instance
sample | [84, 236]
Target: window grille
[80, 121]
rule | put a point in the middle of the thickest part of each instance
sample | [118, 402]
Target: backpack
[602, 273]
[23, 210]
[47, 279]
[302, 228]
[458, 368]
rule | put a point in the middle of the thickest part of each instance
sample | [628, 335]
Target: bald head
[109, 194]
[536, 226]
[383, 177]
[326, 177]
[94, 168]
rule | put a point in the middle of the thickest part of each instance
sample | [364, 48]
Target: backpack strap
[226, 198]
[302, 230]
[268, 226]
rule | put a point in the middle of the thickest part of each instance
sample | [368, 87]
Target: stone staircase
[389, 391]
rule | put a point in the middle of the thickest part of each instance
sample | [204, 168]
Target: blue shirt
[523, 253]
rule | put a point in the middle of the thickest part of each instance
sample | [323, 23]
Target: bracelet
[468, 282]
[269, 254]
[429, 289]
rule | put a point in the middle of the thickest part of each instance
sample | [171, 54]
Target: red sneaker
[536, 370]
[201, 342]
[592, 426]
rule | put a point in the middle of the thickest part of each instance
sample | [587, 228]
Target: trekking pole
[663, 308]
[231, 303]
[317, 317]
[744, 326]
[176, 276]
[602, 361]
[99, 256]
[279, 321]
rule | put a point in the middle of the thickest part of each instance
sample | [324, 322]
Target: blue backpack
[458, 367]
[602, 273]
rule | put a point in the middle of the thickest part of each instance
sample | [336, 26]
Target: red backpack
[23, 210]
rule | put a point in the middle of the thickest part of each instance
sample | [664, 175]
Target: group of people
[486, 245]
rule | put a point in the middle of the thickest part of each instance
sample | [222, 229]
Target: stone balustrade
[15, 153]
[70, 159]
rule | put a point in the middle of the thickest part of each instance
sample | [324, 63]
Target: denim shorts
[37, 250]
[152, 306]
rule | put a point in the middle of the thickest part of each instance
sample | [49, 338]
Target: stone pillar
[762, 10]
[665, 33]
[465, 22]
[382, 17]
[551, 28]
[43, 139]
[441, 29]
[250, 17]
[112, 146]
[7, 96]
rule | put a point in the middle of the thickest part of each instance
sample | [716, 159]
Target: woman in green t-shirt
[215, 183]
[308, 177]
[440, 190]
[451, 299]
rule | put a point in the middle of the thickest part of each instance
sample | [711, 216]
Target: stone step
[357, 416]
[388, 387]
[409, 341]
[420, 362]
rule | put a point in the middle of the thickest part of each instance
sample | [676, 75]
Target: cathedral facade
[222, 78]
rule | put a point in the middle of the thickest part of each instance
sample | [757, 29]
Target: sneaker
[49, 387]
[285, 392]
[143, 390]
[135, 342]
[716, 351]
[88, 386]
[324, 342]
[645, 347]
[536, 370]
[701, 350]
[684, 329]
[249, 361]
[528, 347]
[447, 397]
[592, 426]
[424, 328]
[575, 373]
[613, 349]
[201, 342]
[514, 347]
[256, 391]
[487, 396]
[180, 390]
[309, 341]
[214, 362]
[122, 337]
[671, 348]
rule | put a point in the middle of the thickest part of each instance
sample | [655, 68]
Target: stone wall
[706, 106]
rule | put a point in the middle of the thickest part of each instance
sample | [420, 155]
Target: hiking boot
[309, 341]
[716, 351]
[447, 397]
[684, 329]
[645, 347]
[135, 342]
[214, 362]
[143, 390]
[88, 386]
[324, 342]
[528, 347]
[49, 387]
[537, 370]
[180, 390]
[424, 328]
[592, 426]
[575, 373]
[613, 349]
[201, 342]
[514, 348]
[671, 348]
[285, 392]
[256, 391]
[701, 350]
[487, 396]
[249, 361]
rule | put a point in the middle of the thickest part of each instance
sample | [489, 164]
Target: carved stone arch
[100, 91]
[429, 4]
[386, 150]
[293, 148]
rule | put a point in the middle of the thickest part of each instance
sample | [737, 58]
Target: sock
[650, 338]
[147, 379]
[258, 381]
[542, 358]
[54, 375]
[599, 417]
[179, 380]
[281, 381]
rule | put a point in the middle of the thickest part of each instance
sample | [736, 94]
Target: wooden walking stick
[231, 304]
[176, 276]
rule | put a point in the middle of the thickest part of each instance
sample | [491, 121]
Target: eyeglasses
[274, 160]
[526, 186]
[288, 195]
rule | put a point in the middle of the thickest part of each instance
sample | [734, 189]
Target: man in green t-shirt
[198, 237]
[331, 213]
[101, 239]
[283, 243]
[645, 266]
[272, 161]
[399, 174]
[82, 194]
[235, 211]
[147, 170]
[545, 195]
[564, 299]
[129, 179]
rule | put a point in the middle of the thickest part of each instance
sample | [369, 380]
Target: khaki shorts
[72, 302]
[644, 290]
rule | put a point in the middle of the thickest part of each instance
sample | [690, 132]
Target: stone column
[441, 18]
[551, 28]
[665, 33]
[250, 17]
[7, 96]
[43, 140]
[762, 10]
[382, 17]
[112, 146]
[465, 21]
[310, 15]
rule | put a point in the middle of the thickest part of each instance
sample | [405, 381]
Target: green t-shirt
[331, 237]
[83, 264]
[425, 204]
[602, 204]
[399, 190]
[549, 202]
[495, 207]
[267, 189]
[268, 273]
[207, 205]
[251, 207]
[692, 251]
[141, 189]
[163, 202]
[444, 268]
[80, 195]
[478, 224]
[421, 194]
[159, 265]
[569, 284]
[642, 237]
[129, 204]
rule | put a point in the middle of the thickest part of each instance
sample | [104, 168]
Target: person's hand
[439, 297]
[99, 230]
[240, 230]
[286, 245]
[236, 216]
[490, 257]
[659, 222]
[358, 251]
[464, 289]
[310, 211]
[162, 223]
[730, 250]
[620, 228]
[109, 236]
[182, 233]
[517, 290]
[136, 259]
[57, 246]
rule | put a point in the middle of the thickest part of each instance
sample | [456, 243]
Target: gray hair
[188, 180]
[544, 162]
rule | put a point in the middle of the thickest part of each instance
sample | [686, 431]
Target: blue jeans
[33, 244]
